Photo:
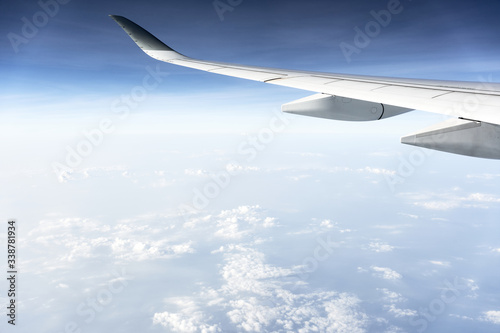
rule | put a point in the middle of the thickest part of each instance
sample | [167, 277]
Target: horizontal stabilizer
[460, 136]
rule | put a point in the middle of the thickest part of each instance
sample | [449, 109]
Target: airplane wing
[475, 106]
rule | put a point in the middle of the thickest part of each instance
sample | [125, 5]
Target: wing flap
[414, 92]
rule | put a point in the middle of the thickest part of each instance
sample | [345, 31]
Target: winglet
[144, 39]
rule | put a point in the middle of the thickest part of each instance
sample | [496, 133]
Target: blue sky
[80, 49]
[174, 222]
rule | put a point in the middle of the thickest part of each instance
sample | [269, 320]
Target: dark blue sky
[81, 49]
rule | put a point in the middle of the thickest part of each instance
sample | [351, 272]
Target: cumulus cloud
[70, 239]
[246, 271]
[394, 298]
[460, 317]
[256, 296]
[230, 168]
[398, 313]
[439, 205]
[380, 247]
[366, 170]
[239, 222]
[412, 216]
[440, 263]
[484, 176]
[385, 273]
[237, 168]
[391, 296]
[85, 173]
[327, 224]
[452, 199]
[472, 286]
[196, 172]
[189, 318]
[376, 171]
[491, 317]
[320, 226]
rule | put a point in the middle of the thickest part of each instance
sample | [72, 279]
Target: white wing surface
[476, 132]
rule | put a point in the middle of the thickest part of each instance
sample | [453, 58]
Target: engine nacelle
[341, 108]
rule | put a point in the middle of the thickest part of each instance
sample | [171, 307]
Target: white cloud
[237, 168]
[195, 222]
[269, 222]
[239, 222]
[385, 273]
[391, 296]
[315, 312]
[135, 250]
[85, 173]
[196, 172]
[376, 171]
[189, 319]
[398, 313]
[392, 226]
[245, 271]
[491, 317]
[326, 224]
[438, 205]
[415, 217]
[452, 199]
[481, 197]
[299, 177]
[485, 176]
[380, 247]
[71, 239]
[367, 169]
[460, 317]
[256, 296]
[192, 322]
[305, 154]
[361, 270]
[473, 288]
[320, 226]
[440, 263]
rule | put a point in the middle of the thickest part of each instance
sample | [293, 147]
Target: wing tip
[143, 38]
